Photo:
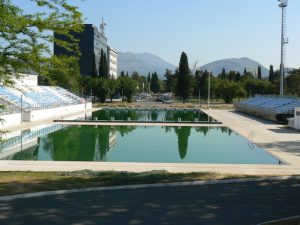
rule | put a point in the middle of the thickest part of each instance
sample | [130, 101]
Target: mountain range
[144, 63]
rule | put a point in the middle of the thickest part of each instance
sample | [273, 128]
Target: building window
[298, 113]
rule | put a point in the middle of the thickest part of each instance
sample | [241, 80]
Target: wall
[58, 112]
[297, 118]
[10, 120]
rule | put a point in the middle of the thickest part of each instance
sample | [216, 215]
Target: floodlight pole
[283, 4]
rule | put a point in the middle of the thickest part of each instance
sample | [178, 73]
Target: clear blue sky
[205, 30]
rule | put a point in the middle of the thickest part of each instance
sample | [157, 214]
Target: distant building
[113, 62]
[91, 40]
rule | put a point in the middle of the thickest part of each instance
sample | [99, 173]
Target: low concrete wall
[10, 120]
[297, 118]
[37, 115]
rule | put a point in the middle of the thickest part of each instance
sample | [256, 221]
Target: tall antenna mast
[284, 40]
[102, 27]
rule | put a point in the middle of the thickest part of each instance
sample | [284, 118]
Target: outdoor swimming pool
[141, 144]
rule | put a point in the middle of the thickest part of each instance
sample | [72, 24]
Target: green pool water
[170, 115]
[143, 144]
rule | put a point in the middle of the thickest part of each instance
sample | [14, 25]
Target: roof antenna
[102, 26]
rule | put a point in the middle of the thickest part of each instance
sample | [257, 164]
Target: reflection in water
[151, 115]
[86, 143]
[91, 143]
[23, 144]
[183, 134]
[138, 144]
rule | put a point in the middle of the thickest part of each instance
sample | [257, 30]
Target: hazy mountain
[235, 65]
[143, 63]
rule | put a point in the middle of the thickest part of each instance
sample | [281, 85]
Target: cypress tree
[94, 70]
[103, 67]
[271, 74]
[223, 74]
[259, 72]
[238, 77]
[183, 81]
[148, 78]
[154, 83]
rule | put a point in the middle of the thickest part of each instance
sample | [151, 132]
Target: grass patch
[26, 182]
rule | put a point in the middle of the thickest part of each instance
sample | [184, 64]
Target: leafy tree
[232, 76]
[228, 90]
[259, 73]
[63, 71]
[86, 84]
[237, 77]
[25, 37]
[293, 82]
[141, 80]
[135, 75]
[184, 75]
[100, 88]
[240, 92]
[127, 87]
[130, 89]
[197, 82]
[113, 86]
[168, 81]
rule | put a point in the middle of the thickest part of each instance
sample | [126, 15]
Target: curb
[140, 186]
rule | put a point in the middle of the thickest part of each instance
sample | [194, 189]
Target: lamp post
[208, 94]
[199, 98]
[21, 108]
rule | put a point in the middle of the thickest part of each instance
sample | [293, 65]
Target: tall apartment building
[91, 40]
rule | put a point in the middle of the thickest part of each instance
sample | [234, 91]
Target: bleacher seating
[268, 106]
[37, 97]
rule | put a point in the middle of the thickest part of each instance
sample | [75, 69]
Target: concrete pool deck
[279, 141]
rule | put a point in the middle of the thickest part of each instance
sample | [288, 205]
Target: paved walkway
[282, 142]
[238, 203]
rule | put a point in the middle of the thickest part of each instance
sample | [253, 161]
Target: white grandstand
[269, 106]
[38, 97]
[33, 102]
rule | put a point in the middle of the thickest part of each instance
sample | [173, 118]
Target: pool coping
[67, 166]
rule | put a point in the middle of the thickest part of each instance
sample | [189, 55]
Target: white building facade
[113, 62]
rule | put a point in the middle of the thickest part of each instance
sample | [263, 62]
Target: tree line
[226, 86]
